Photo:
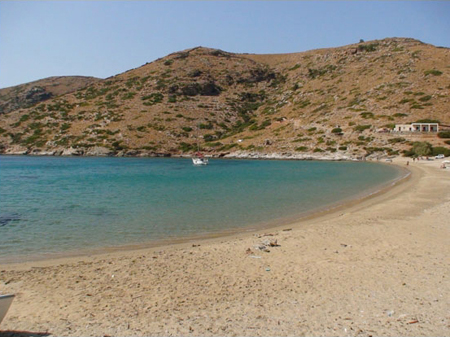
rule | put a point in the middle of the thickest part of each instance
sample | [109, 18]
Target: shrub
[367, 115]
[128, 95]
[361, 128]
[208, 137]
[433, 72]
[208, 126]
[440, 150]
[425, 98]
[337, 130]
[187, 129]
[368, 47]
[185, 147]
[396, 140]
[422, 148]
[343, 148]
[153, 98]
[444, 134]
[428, 120]
[301, 149]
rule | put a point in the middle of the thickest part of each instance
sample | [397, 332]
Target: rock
[72, 152]
[99, 151]
[17, 150]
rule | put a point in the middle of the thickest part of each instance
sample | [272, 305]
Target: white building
[417, 127]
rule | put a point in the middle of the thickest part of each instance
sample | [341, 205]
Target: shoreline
[379, 267]
[318, 212]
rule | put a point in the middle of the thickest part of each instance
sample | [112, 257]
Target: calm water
[51, 205]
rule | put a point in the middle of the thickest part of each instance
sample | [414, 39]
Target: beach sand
[378, 267]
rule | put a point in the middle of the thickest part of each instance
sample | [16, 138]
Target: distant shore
[377, 267]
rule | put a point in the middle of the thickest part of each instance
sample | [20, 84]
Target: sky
[39, 39]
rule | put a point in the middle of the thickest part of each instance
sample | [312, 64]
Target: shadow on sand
[17, 333]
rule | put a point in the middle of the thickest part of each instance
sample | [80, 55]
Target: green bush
[427, 120]
[361, 128]
[396, 140]
[433, 72]
[425, 98]
[440, 150]
[153, 98]
[185, 147]
[368, 47]
[337, 130]
[426, 149]
[444, 134]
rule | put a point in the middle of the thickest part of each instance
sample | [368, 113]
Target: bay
[55, 205]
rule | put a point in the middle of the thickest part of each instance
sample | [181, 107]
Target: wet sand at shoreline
[379, 267]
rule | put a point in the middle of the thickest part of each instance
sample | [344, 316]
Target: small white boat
[199, 159]
[5, 303]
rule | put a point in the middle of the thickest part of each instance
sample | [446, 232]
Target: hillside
[323, 102]
[29, 94]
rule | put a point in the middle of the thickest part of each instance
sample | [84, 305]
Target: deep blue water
[66, 204]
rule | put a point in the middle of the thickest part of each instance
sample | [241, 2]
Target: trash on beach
[248, 251]
[255, 256]
[413, 322]
[390, 312]
[287, 229]
[263, 247]
[274, 243]
[267, 269]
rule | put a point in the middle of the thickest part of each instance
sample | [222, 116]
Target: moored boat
[199, 159]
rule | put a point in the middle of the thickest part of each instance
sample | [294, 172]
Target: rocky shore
[99, 151]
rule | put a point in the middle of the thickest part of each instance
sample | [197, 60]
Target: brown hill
[29, 94]
[329, 101]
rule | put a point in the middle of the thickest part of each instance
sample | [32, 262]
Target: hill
[327, 102]
[29, 94]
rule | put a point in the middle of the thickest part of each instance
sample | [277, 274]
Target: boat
[199, 159]
[5, 303]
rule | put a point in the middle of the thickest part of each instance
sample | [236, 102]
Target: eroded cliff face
[329, 103]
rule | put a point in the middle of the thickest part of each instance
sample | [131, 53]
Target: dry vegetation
[322, 101]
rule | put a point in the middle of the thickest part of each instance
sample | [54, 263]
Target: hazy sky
[40, 39]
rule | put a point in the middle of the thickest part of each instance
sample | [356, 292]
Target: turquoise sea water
[52, 205]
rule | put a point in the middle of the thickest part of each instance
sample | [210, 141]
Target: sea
[58, 206]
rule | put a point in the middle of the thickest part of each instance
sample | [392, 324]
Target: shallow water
[51, 205]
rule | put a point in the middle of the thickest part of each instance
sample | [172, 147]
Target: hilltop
[327, 102]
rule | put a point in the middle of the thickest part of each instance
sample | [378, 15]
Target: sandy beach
[378, 267]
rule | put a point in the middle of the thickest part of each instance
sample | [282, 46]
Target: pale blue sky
[39, 39]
